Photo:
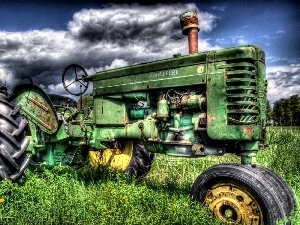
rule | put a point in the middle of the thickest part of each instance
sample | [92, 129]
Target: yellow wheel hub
[114, 158]
[233, 204]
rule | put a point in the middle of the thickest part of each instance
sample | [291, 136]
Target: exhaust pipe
[190, 27]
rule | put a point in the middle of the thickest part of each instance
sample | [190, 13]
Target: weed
[104, 196]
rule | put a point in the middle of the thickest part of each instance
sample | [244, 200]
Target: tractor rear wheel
[132, 157]
[13, 141]
[243, 194]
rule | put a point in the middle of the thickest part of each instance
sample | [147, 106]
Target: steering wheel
[71, 84]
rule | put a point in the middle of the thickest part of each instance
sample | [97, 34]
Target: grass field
[68, 196]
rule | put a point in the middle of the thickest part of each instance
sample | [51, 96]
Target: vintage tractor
[208, 103]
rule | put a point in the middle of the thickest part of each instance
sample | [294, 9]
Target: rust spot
[125, 120]
[187, 22]
[193, 40]
[81, 103]
[248, 130]
[141, 125]
[190, 26]
[226, 76]
[210, 118]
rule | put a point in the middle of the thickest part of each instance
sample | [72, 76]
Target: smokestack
[190, 27]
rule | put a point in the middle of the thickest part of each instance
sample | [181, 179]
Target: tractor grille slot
[241, 94]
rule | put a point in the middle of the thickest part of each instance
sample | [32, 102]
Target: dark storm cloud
[283, 81]
[135, 33]
[37, 54]
[126, 24]
[97, 39]
[286, 78]
[10, 45]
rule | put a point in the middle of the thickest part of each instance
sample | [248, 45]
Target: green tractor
[208, 103]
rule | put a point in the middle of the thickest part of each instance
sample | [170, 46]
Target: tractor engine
[196, 105]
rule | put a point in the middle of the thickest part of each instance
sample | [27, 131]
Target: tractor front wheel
[132, 157]
[241, 194]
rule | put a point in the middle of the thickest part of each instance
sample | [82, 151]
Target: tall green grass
[67, 196]
[282, 156]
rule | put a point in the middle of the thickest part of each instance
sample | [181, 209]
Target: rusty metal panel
[37, 107]
[235, 94]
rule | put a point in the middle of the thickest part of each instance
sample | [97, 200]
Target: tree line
[285, 112]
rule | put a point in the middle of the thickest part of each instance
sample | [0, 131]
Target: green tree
[294, 102]
[287, 111]
[269, 111]
[278, 112]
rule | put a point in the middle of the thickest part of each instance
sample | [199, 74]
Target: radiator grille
[241, 94]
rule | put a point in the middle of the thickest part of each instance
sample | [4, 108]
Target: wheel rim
[115, 158]
[233, 204]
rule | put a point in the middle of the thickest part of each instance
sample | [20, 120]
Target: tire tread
[13, 140]
[141, 161]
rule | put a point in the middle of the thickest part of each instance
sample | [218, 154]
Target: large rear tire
[141, 161]
[244, 194]
[132, 157]
[13, 141]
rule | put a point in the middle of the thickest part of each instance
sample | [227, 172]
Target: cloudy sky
[39, 39]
